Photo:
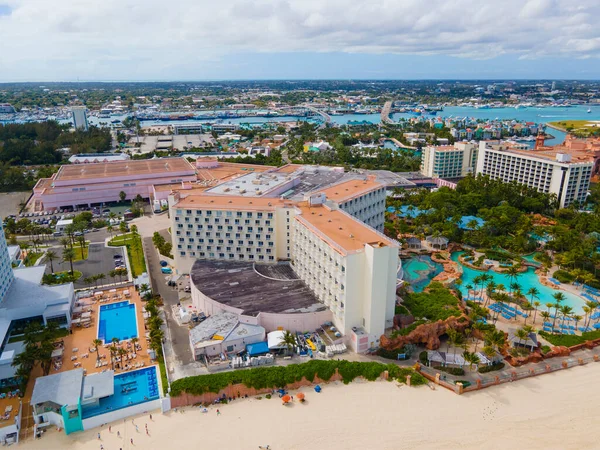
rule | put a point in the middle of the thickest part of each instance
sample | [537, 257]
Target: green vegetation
[163, 375]
[39, 340]
[569, 340]
[81, 253]
[61, 277]
[437, 303]
[32, 258]
[161, 244]
[580, 128]
[456, 371]
[407, 330]
[491, 368]
[133, 242]
[280, 376]
[563, 276]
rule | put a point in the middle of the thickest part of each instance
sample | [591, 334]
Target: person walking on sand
[98, 436]
[150, 416]
[137, 429]
[118, 434]
[218, 414]
[109, 429]
[131, 440]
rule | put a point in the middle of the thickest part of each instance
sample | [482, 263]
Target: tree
[113, 353]
[536, 305]
[121, 352]
[455, 338]
[545, 316]
[69, 255]
[289, 340]
[122, 196]
[81, 242]
[134, 342]
[38, 341]
[123, 227]
[559, 297]
[97, 343]
[110, 230]
[51, 256]
[522, 334]
[471, 358]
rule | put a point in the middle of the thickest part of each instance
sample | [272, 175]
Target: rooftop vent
[351, 236]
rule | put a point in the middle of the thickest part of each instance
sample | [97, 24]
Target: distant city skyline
[130, 40]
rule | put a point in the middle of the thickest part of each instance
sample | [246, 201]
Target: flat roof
[123, 169]
[62, 388]
[239, 285]
[228, 202]
[341, 228]
[26, 290]
[98, 385]
[250, 184]
[350, 189]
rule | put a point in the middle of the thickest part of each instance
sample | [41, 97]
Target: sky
[140, 40]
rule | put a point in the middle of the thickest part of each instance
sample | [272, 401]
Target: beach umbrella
[300, 396]
[285, 399]
[317, 388]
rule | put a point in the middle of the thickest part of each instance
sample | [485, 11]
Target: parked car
[117, 256]
[166, 270]
[164, 264]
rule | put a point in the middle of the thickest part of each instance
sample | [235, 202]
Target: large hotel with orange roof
[317, 225]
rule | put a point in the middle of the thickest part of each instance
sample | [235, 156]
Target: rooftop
[223, 327]
[238, 285]
[123, 169]
[228, 202]
[350, 189]
[61, 388]
[26, 290]
[340, 228]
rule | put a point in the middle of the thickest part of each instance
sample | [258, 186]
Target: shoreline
[372, 415]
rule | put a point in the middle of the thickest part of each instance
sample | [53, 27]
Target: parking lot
[100, 260]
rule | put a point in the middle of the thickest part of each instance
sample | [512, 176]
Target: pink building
[87, 184]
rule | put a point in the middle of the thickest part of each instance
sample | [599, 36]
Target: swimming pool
[419, 271]
[117, 320]
[526, 280]
[131, 388]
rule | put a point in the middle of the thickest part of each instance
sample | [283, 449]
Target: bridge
[324, 115]
[385, 113]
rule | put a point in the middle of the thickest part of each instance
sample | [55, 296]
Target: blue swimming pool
[117, 320]
[131, 388]
[419, 271]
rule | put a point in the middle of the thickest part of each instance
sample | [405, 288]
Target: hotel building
[564, 174]
[80, 121]
[318, 225]
[449, 161]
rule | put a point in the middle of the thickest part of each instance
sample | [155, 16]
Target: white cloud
[42, 39]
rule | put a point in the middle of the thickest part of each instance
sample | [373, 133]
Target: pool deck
[81, 338]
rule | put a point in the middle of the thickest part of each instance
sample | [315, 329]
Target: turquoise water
[419, 271]
[131, 388]
[527, 280]
[117, 320]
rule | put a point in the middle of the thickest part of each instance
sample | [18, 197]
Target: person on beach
[131, 440]
[98, 436]
[218, 414]
[150, 416]
[109, 429]
[137, 429]
[118, 434]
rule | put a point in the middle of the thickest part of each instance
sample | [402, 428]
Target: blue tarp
[260, 348]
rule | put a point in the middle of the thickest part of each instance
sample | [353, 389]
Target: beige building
[449, 161]
[329, 237]
[550, 172]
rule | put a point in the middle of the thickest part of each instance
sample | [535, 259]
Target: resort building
[322, 222]
[564, 174]
[97, 183]
[449, 161]
[74, 401]
[80, 121]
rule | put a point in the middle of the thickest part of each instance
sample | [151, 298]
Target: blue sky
[64, 40]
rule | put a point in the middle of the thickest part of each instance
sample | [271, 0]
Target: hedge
[491, 368]
[437, 303]
[280, 376]
[563, 276]
[566, 340]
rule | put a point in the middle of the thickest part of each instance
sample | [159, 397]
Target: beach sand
[554, 411]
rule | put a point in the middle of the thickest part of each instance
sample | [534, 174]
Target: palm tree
[549, 305]
[522, 334]
[134, 341]
[51, 256]
[545, 316]
[559, 297]
[110, 230]
[536, 305]
[100, 276]
[577, 318]
[97, 343]
[471, 358]
[121, 352]
[81, 242]
[113, 352]
[479, 326]
[566, 312]
[69, 255]
[289, 340]
[456, 338]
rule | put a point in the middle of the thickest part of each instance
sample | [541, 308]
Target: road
[177, 347]
[385, 113]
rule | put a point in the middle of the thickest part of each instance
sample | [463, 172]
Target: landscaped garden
[135, 251]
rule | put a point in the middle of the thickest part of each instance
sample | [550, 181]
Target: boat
[589, 110]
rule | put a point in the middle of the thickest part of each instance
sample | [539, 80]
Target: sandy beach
[555, 411]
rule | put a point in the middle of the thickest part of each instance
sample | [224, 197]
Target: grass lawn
[579, 127]
[32, 257]
[134, 251]
[77, 250]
